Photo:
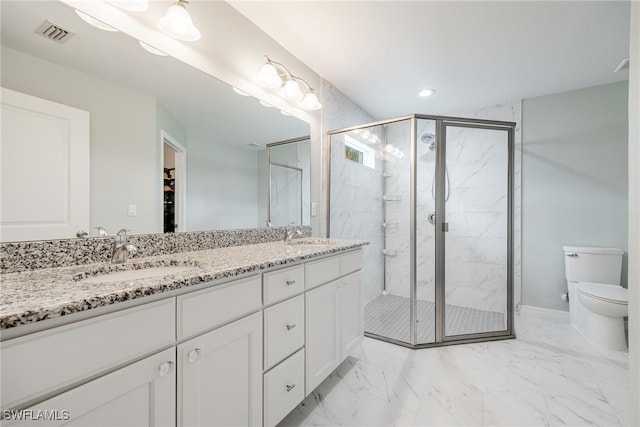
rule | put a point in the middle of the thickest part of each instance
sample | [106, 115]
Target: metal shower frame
[441, 123]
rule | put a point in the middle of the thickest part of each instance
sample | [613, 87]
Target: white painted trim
[544, 312]
[181, 178]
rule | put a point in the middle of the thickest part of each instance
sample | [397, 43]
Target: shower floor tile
[388, 316]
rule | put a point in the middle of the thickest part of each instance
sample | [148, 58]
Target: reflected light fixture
[292, 88]
[151, 49]
[132, 5]
[177, 23]
[240, 91]
[93, 21]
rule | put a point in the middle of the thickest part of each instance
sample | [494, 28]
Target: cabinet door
[141, 394]
[351, 313]
[322, 333]
[220, 376]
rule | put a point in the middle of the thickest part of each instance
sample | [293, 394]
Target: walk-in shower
[433, 196]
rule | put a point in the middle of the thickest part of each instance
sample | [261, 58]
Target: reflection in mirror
[133, 98]
[289, 182]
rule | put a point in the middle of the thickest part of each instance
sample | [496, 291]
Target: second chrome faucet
[122, 248]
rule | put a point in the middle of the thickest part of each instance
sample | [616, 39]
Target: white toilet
[597, 302]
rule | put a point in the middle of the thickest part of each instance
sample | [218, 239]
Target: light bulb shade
[177, 23]
[269, 77]
[310, 102]
[291, 90]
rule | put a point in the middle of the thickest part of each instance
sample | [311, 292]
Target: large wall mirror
[157, 126]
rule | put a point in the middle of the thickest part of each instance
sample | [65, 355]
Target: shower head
[430, 139]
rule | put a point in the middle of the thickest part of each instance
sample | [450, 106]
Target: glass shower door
[475, 207]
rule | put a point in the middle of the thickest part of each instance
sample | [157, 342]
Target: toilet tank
[587, 264]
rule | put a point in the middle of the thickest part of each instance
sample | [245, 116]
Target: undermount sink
[143, 273]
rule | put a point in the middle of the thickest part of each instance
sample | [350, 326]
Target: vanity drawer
[282, 284]
[283, 330]
[283, 388]
[350, 262]
[322, 271]
[43, 362]
[202, 310]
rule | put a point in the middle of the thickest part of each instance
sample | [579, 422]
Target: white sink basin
[144, 273]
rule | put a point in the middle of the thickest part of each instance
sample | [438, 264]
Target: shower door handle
[445, 227]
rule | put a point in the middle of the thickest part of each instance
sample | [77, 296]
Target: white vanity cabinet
[220, 376]
[140, 394]
[334, 323]
[245, 352]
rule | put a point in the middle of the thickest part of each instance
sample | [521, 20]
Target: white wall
[574, 183]
[634, 213]
[124, 150]
[215, 173]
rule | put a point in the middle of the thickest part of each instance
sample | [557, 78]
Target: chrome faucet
[122, 248]
[291, 233]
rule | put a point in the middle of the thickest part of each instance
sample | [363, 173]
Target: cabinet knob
[165, 369]
[290, 387]
[291, 282]
[193, 355]
[290, 327]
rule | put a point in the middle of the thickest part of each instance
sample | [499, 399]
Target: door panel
[476, 207]
[45, 169]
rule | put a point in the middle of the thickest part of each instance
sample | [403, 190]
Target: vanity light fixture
[93, 21]
[132, 5]
[177, 23]
[152, 49]
[295, 89]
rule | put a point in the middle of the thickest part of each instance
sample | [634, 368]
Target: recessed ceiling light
[426, 92]
[266, 104]
[284, 113]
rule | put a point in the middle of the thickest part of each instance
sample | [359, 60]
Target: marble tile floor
[548, 376]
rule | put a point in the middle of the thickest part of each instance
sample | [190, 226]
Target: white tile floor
[548, 376]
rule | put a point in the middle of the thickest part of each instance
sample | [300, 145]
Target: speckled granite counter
[32, 296]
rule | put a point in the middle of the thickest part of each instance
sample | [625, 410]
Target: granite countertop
[33, 296]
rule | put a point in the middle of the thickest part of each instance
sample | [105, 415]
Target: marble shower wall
[355, 190]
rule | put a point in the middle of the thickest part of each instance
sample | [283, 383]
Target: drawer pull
[291, 282]
[290, 327]
[193, 355]
[290, 387]
[165, 369]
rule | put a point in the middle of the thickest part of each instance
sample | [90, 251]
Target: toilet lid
[612, 293]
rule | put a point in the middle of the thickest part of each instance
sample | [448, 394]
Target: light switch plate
[314, 209]
[132, 210]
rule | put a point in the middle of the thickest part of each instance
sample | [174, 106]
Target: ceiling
[478, 53]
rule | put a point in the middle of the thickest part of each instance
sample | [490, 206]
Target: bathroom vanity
[229, 336]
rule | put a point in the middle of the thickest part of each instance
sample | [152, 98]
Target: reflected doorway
[173, 160]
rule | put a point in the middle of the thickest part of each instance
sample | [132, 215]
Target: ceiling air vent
[54, 32]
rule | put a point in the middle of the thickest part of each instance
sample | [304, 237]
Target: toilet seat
[614, 294]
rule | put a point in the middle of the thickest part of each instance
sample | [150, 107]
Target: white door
[351, 314]
[141, 394]
[322, 325]
[220, 376]
[44, 154]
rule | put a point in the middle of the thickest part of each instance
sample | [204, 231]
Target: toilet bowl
[603, 318]
[597, 302]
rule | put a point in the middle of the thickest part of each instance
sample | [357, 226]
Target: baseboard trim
[544, 312]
